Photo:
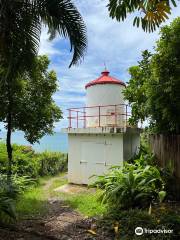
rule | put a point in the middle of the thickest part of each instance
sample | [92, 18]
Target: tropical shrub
[172, 185]
[52, 163]
[132, 186]
[7, 208]
[135, 185]
[17, 185]
[10, 192]
[28, 163]
[144, 157]
[24, 161]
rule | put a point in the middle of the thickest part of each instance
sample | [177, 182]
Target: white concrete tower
[105, 101]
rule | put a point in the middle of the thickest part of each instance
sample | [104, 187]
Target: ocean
[58, 142]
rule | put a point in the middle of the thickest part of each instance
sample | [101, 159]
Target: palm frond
[62, 17]
[20, 28]
[19, 36]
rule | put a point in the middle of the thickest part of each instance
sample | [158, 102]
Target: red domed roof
[105, 79]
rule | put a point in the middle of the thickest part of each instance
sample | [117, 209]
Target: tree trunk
[9, 147]
[8, 81]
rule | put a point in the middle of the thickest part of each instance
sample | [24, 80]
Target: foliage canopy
[152, 12]
[154, 87]
[33, 109]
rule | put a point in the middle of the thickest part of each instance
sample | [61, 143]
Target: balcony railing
[99, 116]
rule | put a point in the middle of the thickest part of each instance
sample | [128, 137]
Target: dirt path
[60, 223]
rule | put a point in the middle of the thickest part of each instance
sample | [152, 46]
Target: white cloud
[46, 46]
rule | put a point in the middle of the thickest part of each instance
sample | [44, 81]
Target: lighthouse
[99, 135]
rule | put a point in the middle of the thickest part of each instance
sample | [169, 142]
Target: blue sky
[117, 44]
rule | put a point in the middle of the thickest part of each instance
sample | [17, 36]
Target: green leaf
[162, 195]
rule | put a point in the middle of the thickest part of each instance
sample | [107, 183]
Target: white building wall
[104, 94]
[93, 155]
[131, 144]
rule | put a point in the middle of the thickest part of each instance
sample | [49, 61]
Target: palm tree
[21, 22]
[152, 12]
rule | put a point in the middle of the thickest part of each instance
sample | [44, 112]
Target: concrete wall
[131, 143]
[93, 154]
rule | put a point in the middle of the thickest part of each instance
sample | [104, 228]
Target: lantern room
[99, 135]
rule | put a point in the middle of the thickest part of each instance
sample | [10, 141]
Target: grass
[87, 204]
[34, 202]
[55, 184]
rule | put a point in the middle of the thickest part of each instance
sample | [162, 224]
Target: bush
[9, 193]
[127, 220]
[52, 163]
[171, 182]
[16, 187]
[7, 208]
[27, 162]
[144, 157]
[135, 185]
[132, 186]
[24, 161]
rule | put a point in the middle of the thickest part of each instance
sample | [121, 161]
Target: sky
[118, 44]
